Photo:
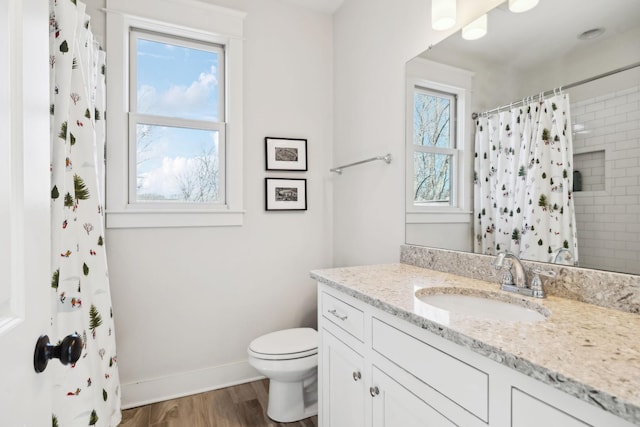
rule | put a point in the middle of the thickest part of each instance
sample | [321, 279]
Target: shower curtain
[87, 393]
[523, 181]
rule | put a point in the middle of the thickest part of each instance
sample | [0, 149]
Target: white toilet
[289, 358]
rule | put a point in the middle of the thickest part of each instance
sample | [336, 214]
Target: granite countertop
[590, 352]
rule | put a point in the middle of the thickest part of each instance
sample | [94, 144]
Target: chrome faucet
[521, 274]
[520, 286]
[559, 252]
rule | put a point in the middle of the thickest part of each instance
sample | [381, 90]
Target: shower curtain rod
[552, 91]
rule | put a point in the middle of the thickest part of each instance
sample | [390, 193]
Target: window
[436, 163]
[174, 131]
[434, 147]
[176, 120]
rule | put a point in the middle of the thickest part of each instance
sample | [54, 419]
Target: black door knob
[68, 351]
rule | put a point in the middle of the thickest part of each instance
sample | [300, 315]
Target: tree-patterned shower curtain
[523, 181]
[87, 393]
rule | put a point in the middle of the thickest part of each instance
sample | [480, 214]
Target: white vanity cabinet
[354, 391]
[378, 370]
[343, 390]
[527, 411]
[393, 405]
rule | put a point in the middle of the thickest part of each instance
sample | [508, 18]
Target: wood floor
[244, 405]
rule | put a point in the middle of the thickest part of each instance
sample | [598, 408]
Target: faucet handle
[507, 278]
[498, 264]
[536, 283]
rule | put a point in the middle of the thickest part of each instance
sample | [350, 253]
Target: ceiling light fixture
[443, 14]
[518, 6]
[476, 29]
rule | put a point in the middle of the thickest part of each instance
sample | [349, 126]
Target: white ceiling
[548, 31]
[324, 6]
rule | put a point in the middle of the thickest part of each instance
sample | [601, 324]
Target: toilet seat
[286, 344]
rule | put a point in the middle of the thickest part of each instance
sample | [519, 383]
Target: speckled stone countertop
[590, 352]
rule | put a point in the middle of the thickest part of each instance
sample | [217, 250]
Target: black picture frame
[285, 194]
[285, 154]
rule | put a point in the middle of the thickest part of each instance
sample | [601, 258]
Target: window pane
[432, 182]
[432, 120]
[177, 165]
[177, 81]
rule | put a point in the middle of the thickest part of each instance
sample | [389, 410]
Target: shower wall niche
[590, 166]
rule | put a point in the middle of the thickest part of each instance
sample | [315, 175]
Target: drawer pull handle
[357, 375]
[374, 391]
[335, 313]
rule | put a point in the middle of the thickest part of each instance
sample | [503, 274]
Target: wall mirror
[547, 49]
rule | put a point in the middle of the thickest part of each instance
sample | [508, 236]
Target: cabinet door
[395, 406]
[342, 384]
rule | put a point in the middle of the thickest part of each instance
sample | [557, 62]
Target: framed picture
[286, 154]
[285, 194]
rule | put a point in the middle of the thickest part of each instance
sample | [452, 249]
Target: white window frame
[186, 20]
[136, 118]
[458, 209]
[452, 150]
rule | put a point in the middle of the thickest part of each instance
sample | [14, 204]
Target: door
[342, 384]
[25, 397]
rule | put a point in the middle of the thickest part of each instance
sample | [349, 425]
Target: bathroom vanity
[389, 359]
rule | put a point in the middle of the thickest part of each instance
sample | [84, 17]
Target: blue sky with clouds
[179, 82]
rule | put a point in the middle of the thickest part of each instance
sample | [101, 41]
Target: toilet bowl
[289, 358]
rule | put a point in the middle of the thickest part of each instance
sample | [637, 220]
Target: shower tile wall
[607, 141]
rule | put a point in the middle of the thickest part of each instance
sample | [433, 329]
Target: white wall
[187, 302]
[372, 42]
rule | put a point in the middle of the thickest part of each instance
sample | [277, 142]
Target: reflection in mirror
[553, 178]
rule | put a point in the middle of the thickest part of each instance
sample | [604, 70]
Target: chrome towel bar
[386, 159]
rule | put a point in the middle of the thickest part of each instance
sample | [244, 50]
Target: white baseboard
[186, 383]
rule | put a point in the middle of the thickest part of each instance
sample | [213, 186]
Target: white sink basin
[482, 305]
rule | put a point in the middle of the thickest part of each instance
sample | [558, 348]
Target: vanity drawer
[527, 411]
[344, 315]
[461, 383]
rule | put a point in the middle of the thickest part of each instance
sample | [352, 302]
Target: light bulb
[518, 6]
[443, 14]
[476, 29]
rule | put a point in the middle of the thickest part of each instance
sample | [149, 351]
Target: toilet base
[293, 401]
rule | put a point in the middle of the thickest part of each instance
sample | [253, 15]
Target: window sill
[163, 219]
[439, 217]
